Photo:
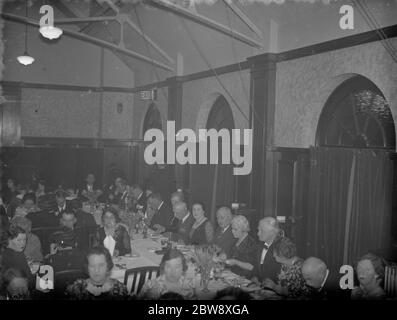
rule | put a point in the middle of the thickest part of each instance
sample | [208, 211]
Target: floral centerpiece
[203, 257]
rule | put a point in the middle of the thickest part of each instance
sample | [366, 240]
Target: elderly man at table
[139, 198]
[163, 214]
[324, 284]
[266, 267]
[176, 197]
[181, 224]
[224, 238]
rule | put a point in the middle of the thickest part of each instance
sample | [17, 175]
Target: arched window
[220, 116]
[152, 119]
[356, 115]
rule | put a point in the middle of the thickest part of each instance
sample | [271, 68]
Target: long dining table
[144, 254]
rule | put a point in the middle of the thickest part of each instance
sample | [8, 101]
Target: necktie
[264, 251]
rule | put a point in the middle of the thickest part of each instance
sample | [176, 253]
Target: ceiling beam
[124, 18]
[243, 17]
[200, 19]
[93, 40]
[83, 20]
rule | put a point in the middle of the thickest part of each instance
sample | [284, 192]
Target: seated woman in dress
[241, 259]
[370, 271]
[172, 278]
[202, 231]
[33, 245]
[13, 256]
[99, 285]
[290, 279]
[14, 285]
[113, 235]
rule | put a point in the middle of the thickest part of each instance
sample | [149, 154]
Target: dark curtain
[370, 223]
[349, 203]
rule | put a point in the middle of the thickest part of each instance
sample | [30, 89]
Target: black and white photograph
[199, 150]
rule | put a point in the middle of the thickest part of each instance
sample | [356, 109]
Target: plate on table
[132, 255]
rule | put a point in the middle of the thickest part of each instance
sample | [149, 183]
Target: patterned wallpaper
[199, 96]
[303, 86]
[74, 114]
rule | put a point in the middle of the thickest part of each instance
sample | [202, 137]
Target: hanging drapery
[349, 204]
[370, 224]
[1, 52]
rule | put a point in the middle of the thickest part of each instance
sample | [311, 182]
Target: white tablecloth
[142, 256]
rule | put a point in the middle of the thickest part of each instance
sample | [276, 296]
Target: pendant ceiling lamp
[47, 28]
[26, 59]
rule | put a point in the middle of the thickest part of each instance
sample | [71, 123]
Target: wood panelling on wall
[10, 127]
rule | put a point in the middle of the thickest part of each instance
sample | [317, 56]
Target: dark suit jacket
[123, 243]
[163, 217]
[331, 289]
[84, 219]
[57, 211]
[181, 231]
[141, 202]
[270, 267]
[225, 240]
[44, 219]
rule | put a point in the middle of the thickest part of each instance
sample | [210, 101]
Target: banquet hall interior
[88, 86]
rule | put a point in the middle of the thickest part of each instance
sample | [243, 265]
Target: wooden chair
[64, 278]
[391, 280]
[135, 278]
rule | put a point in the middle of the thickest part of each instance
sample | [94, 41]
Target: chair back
[391, 280]
[135, 278]
[64, 278]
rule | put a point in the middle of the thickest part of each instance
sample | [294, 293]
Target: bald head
[224, 217]
[268, 230]
[314, 271]
[180, 210]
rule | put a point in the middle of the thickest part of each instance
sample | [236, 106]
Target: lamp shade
[50, 32]
[25, 59]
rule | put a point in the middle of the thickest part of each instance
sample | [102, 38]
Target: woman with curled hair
[241, 260]
[33, 245]
[113, 235]
[13, 256]
[202, 231]
[370, 270]
[291, 283]
[172, 278]
[99, 285]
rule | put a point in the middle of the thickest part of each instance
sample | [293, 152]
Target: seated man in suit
[50, 217]
[90, 190]
[66, 231]
[224, 238]
[62, 204]
[139, 198]
[177, 197]
[324, 284]
[266, 267]
[163, 214]
[181, 224]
